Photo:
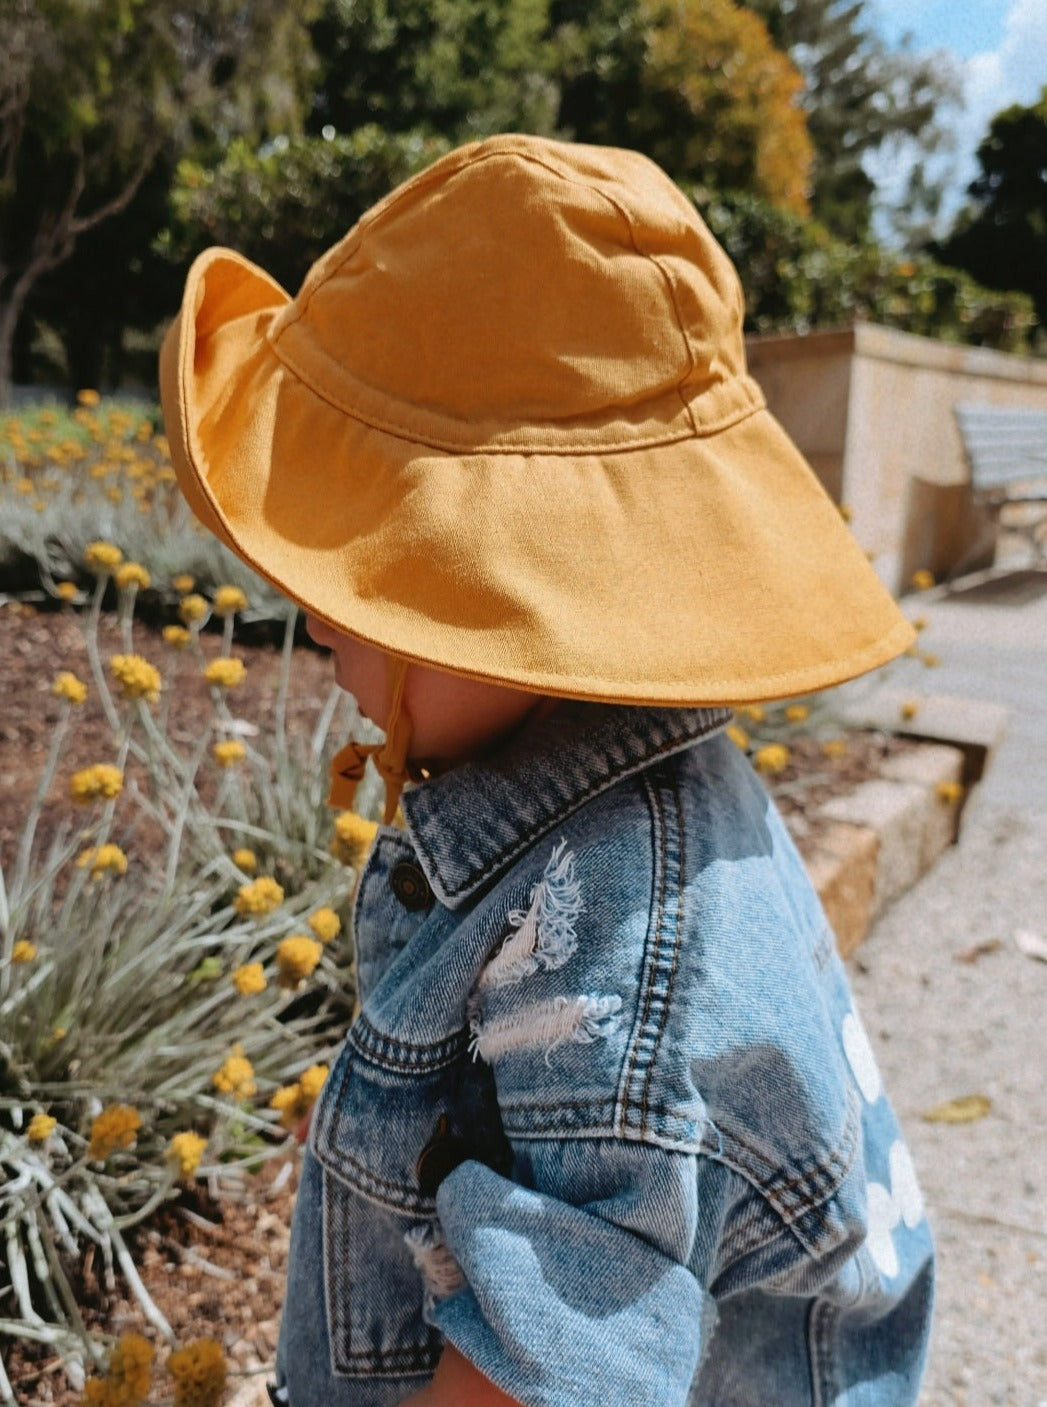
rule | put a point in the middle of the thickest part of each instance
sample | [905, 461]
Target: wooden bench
[1006, 452]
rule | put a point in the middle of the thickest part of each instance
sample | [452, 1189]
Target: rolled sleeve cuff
[561, 1307]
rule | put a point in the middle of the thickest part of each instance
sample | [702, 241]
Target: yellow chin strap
[390, 757]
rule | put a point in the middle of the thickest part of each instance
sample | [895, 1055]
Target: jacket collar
[471, 823]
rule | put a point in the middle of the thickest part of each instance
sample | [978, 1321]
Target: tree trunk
[9, 313]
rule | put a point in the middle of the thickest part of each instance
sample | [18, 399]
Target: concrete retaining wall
[871, 408]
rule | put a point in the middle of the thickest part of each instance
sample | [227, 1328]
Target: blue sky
[1000, 49]
[965, 27]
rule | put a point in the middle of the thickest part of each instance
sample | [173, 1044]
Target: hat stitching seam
[421, 179]
[568, 179]
[717, 427]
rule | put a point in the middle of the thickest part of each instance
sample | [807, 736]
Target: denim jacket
[607, 1121]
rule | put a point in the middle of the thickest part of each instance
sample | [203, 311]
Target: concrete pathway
[955, 1007]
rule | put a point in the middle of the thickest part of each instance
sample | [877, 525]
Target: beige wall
[872, 410]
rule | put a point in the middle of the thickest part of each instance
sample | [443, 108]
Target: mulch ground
[215, 1265]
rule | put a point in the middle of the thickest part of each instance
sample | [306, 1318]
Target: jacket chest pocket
[391, 1120]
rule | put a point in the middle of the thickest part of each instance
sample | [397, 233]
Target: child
[607, 1129]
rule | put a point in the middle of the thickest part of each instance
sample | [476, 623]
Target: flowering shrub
[154, 957]
[91, 493]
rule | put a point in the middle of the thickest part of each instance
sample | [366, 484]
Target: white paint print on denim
[860, 1058]
[543, 936]
[901, 1202]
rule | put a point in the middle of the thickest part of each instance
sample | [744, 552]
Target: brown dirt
[215, 1266]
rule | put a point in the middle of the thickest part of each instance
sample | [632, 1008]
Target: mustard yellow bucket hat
[505, 428]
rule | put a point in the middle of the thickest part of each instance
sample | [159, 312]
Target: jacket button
[440, 1156]
[410, 885]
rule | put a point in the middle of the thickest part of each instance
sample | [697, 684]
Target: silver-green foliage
[117, 989]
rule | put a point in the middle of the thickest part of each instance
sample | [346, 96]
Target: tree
[283, 205]
[859, 97]
[460, 69]
[1002, 241]
[91, 93]
[697, 85]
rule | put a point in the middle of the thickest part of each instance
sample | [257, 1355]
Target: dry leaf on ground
[979, 950]
[963, 1110]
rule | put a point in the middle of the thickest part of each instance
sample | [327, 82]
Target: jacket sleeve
[575, 1283]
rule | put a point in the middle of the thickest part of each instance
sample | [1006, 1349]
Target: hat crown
[523, 293]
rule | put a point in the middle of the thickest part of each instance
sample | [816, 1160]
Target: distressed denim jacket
[607, 1121]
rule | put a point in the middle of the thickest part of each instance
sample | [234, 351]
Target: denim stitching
[820, 1322]
[667, 999]
[382, 1050]
[395, 1195]
[677, 743]
[651, 946]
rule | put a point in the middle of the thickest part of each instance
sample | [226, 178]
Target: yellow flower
[92, 783]
[129, 1366]
[184, 1153]
[228, 754]
[67, 686]
[132, 574]
[41, 1127]
[737, 735]
[326, 924]
[102, 556]
[236, 1075]
[106, 859]
[225, 672]
[245, 860]
[353, 836]
[259, 897]
[835, 747]
[290, 1104]
[949, 792]
[296, 957]
[755, 713]
[922, 580]
[772, 758]
[138, 679]
[115, 1127]
[192, 608]
[25, 486]
[228, 600]
[797, 713]
[199, 1374]
[23, 951]
[312, 1080]
[66, 590]
[249, 979]
[176, 636]
[88, 397]
[183, 583]
[909, 710]
[127, 1382]
[294, 1101]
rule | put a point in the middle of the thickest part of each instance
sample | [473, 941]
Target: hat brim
[701, 571]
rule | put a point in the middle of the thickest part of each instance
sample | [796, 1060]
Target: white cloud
[1013, 72]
